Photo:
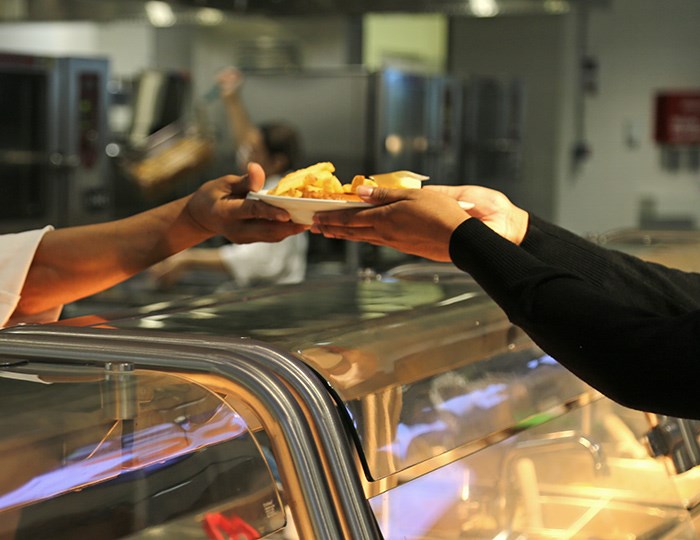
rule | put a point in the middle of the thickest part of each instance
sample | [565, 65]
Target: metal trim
[332, 503]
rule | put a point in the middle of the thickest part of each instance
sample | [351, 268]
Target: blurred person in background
[42, 270]
[276, 147]
[628, 327]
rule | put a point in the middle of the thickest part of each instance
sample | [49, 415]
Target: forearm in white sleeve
[16, 255]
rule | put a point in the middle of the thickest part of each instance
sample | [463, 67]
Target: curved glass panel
[583, 475]
[106, 453]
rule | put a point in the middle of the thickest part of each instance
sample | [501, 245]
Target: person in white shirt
[42, 270]
[276, 147]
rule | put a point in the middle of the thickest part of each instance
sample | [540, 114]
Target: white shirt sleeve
[16, 255]
[266, 263]
[262, 262]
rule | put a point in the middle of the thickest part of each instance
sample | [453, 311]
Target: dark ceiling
[110, 10]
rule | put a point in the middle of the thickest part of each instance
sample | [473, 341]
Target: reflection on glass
[91, 452]
[539, 485]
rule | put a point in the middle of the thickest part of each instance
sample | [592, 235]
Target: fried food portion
[318, 177]
[332, 196]
[318, 182]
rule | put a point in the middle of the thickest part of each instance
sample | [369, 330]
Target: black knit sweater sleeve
[629, 279]
[643, 357]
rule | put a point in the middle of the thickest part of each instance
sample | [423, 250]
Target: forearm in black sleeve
[633, 355]
[631, 280]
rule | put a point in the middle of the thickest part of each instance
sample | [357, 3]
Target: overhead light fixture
[209, 16]
[556, 6]
[484, 8]
[160, 14]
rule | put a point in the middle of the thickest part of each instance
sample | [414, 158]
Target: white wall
[642, 46]
[415, 40]
[322, 42]
[75, 38]
[128, 45]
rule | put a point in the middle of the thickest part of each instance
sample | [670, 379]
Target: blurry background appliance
[52, 143]
[418, 123]
[78, 146]
[494, 115]
[364, 122]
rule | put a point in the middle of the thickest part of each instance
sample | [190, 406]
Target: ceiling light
[484, 8]
[160, 14]
[556, 6]
[210, 16]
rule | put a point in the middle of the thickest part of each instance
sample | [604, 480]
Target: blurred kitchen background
[107, 107]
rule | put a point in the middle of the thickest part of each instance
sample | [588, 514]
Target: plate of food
[315, 188]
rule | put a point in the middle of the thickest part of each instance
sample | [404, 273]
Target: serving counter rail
[397, 406]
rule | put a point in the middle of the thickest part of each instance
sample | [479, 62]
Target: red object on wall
[678, 118]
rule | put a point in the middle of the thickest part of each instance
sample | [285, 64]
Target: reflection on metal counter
[402, 405]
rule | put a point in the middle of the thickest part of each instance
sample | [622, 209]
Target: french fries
[318, 182]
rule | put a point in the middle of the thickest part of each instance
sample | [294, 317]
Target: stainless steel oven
[53, 134]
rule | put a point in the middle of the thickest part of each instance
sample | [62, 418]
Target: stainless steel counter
[397, 406]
